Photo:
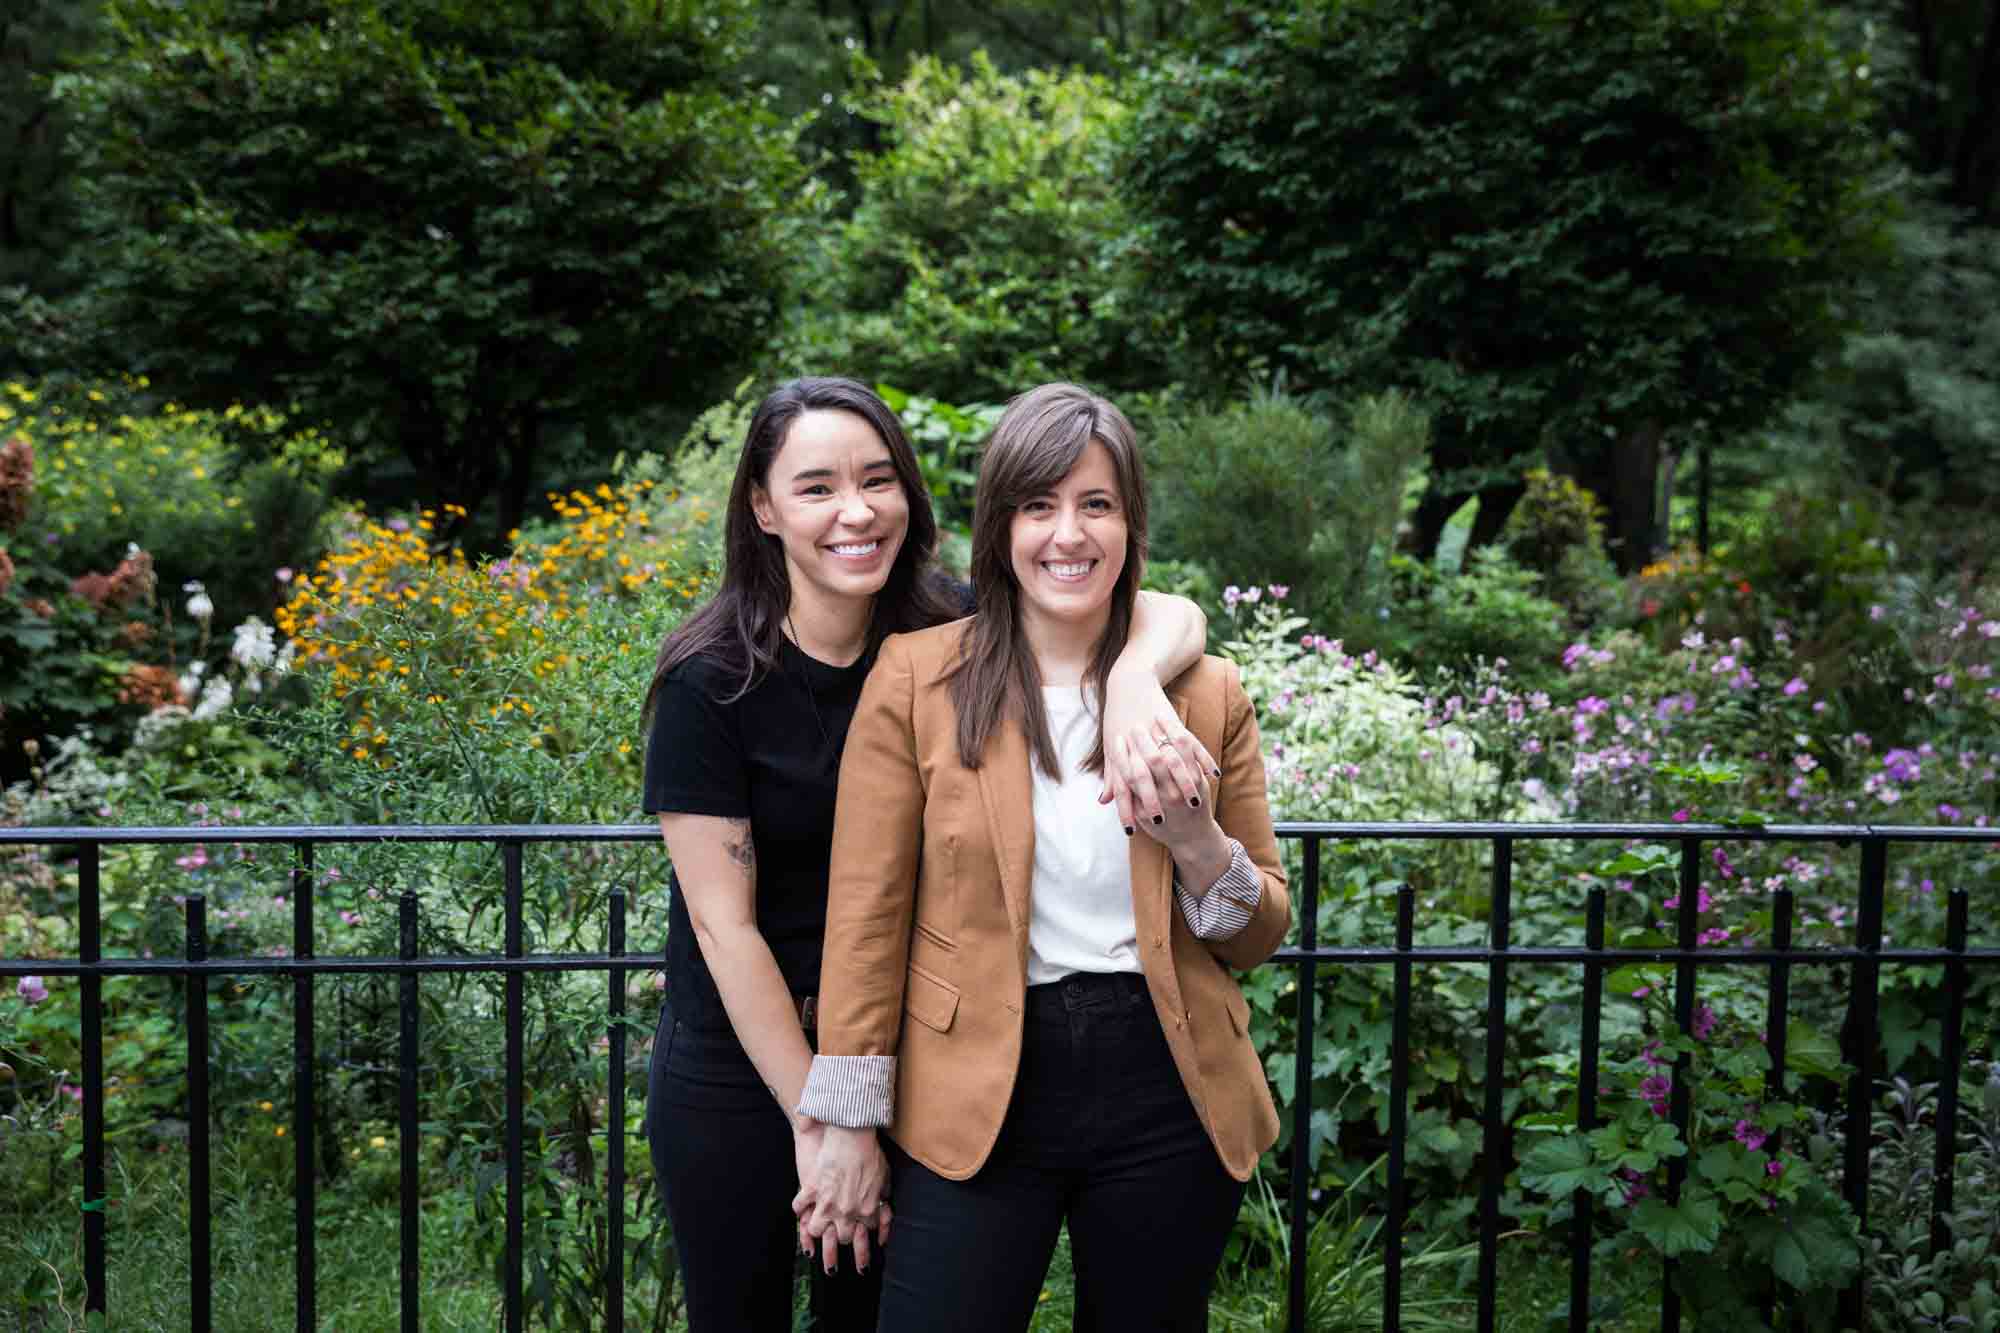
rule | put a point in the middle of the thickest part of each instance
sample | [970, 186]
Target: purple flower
[32, 990]
[1704, 1022]
[1590, 705]
[1682, 815]
[1774, 1167]
[1280, 591]
[1948, 813]
[1902, 765]
[1796, 685]
[1749, 1135]
[1944, 681]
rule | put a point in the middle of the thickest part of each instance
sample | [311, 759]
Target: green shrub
[981, 258]
[1557, 530]
[1266, 492]
[224, 498]
[1492, 609]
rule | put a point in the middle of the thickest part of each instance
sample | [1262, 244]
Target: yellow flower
[378, 1142]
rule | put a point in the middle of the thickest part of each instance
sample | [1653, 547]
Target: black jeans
[722, 1149]
[1100, 1132]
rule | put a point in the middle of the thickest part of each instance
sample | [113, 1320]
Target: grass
[358, 1243]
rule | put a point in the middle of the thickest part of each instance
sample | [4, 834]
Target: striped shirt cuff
[1229, 903]
[852, 1091]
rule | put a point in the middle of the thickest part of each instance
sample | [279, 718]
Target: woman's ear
[761, 509]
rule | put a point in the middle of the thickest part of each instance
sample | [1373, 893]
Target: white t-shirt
[1080, 909]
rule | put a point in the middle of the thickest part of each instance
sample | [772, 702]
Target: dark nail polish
[1195, 801]
[1215, 772]
[1129, 830]
[1159, 819]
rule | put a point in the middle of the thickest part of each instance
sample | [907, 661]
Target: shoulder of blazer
[929, 653]
[1208, 688]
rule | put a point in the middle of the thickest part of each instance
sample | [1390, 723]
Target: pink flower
[1682, 816]
[1795, 685]
[283, 574]
[32, 990]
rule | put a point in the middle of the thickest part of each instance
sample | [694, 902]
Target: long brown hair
[742, 627]
[1038, 440]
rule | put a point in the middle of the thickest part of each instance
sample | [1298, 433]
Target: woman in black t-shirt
[827, 546]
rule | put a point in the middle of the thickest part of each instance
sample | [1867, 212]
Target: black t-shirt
[772, 757]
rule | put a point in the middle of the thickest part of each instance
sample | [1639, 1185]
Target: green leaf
[1560, 1166]
[1691, 1226]
[1810, 1051]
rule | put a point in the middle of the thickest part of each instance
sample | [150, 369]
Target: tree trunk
[1976, 173]
[1625, 478]
[524, 445]
[1451, 454]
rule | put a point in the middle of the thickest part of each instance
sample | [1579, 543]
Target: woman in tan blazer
[1034, 1000]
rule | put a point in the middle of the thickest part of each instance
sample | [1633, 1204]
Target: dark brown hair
[743, 625]
[1038, 440]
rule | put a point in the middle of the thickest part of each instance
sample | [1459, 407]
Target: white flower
[215, 700]
[198, 604]
[256, 645]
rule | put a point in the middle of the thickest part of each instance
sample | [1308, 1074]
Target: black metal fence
[1866, 956]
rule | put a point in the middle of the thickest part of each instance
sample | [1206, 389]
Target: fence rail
[1866, 957]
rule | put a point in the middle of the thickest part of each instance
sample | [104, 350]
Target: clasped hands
[843, 1196]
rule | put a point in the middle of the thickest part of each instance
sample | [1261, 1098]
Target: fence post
[510, 860]
[1862, 994]
[1583, 1204]
[90, 949]
[406, 1108]
[305, 1165]
[614, 1118]
[200, 1206]
[1302, 1094]
[1493, 1141]
[1399, 1114]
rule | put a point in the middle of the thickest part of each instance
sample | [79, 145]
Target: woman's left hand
[1151, 761]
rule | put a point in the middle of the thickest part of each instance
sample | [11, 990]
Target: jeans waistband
[1084, 990]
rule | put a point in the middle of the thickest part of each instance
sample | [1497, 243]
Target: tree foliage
[980, 256]
[37, 39]
[1579, 229]
[446, 225]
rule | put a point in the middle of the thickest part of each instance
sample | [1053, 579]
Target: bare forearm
[760, 1006]
[1169, 635]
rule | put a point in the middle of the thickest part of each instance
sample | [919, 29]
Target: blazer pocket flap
[930, 1000]
[1238, 1007]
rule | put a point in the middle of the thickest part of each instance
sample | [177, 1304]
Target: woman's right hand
[847, 1195]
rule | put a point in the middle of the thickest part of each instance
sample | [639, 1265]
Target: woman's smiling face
[1068, 545]
[833, 500]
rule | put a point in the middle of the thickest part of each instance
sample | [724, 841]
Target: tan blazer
[927, 915]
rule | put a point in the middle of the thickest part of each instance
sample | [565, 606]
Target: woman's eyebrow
[822, 473]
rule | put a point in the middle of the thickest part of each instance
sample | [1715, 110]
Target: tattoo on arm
[740, 848]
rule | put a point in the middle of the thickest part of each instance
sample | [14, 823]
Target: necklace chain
[805, 683]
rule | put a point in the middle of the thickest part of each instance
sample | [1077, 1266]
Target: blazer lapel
[1008, 793]
[1153, 873]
